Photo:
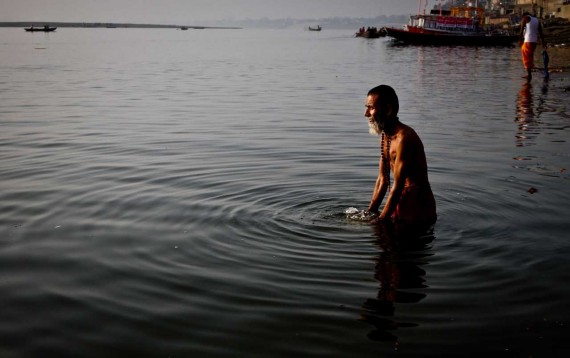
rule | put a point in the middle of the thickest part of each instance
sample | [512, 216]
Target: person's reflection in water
[525, 113]
[541, 107]
[528, 115]
[525, 110]
[399, 271]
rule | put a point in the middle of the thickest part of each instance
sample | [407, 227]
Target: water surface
[181, 193]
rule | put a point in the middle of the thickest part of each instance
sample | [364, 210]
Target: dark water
[181, 193]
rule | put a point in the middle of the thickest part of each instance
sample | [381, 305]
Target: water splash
[353, 213]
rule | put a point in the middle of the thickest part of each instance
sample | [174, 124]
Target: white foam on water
[353, 213]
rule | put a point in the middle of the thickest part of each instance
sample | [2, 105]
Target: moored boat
[451, 39]
[459, 26]
[45, 28]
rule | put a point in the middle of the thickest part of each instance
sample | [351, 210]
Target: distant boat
[318, 28]
[458, 26]
[46, 28]
[183, 28]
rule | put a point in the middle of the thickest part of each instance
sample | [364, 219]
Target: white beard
[374, 128]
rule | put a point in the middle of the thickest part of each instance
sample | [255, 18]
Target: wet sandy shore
[559, 58]
[558, 40]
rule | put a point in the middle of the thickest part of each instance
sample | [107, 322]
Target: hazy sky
[194, 11]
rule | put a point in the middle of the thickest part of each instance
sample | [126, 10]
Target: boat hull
[367, 35]
[450, 39]
[40, 29]
[370, 35]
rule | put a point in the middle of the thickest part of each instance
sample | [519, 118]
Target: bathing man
[410, 204]
[530, 31]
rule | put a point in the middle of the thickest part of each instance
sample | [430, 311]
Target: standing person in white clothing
[531, 30]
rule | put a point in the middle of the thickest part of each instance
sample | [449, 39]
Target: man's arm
[541, 34]
[521, 32]
[403, 158]
[380, 189]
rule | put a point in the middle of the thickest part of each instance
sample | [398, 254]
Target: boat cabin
[456, 19]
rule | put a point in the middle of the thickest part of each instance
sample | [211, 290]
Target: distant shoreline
[107, 25]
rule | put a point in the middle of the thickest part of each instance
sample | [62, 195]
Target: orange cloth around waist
[527, 51]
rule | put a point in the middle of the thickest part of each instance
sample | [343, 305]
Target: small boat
[183, 27]
[460, 26]
[46, 28]
[371, 33]
[318, 28]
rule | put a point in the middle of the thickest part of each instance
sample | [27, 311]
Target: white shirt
[531, 30]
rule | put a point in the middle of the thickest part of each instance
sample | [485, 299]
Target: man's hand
[371, 212]
[383, 218]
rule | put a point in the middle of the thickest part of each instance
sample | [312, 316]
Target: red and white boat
[458, 26]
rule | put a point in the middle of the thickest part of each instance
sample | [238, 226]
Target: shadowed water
[183, 193]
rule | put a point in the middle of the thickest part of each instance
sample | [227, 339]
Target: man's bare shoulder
[409, 134]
